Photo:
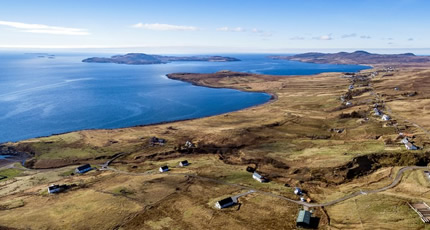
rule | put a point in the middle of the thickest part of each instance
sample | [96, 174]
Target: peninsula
[147, 59]
[356, 58]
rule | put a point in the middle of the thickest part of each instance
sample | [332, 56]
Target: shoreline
[273, 98]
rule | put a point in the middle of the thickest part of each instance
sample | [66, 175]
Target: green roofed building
[303, 219]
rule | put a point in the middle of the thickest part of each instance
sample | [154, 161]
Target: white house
[410, 146]
[298, 191]
[164, 168]
[184, 163]
[385, 117]
[225, 203]
[55, 188]
[405, 140]
[258, 177]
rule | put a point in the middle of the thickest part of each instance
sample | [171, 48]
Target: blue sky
[216, 26]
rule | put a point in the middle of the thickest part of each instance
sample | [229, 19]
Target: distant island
[357, 57]
[147, 59]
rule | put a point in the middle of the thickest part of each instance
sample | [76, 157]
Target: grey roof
[257, 175]
[83, 167]
[304, 217]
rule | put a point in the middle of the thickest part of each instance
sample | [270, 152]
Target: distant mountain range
[357, 57]
[146, 59]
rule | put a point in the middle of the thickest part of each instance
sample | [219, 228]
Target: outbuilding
[258, 177]
[298, 191]
[55, 188]
[225, 203]
[303, 219]
[385, 117]
[184, 163]
[164, 168]
[410, 146]
[83, 169]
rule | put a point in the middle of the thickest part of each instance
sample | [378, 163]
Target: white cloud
[228, 29]
[365, 37]
[349, 35]
[297, 38]
[261, 32]
[164, 27]
[324, 37]
[44, 29]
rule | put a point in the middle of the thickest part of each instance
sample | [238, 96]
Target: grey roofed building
[164, 168]
[385, 117]
[83, 169]
[303, 219]
[258, 177]
[410, 146]
[184, 163]
[225, 203]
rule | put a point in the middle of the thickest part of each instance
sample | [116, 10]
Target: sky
[202, 26]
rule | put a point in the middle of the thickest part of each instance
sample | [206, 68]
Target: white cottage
[385, 117]
[225, 203]
[258, 177]
[164, 168]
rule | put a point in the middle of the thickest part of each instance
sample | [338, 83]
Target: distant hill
[146, 59]
[357, 57]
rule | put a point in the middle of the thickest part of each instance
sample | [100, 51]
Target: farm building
[377, 112]
[303, 219]
[83, 169]
[164, 168]
[298, 191]
[410, 146]
[385, 117]
[184, 163]
[351, 87]
[155, 140]
[225, 203]
[348, 103]
[258, 177]
[55, 188]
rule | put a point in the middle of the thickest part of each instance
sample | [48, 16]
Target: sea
[44, 94]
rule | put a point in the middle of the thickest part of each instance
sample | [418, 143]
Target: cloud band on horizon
[44, 29]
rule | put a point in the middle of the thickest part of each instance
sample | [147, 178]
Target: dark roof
[83, 167]
[54, 186]
[184, 162]
[165, 167]
[225, 201]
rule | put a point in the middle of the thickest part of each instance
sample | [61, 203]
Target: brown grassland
[292, 140]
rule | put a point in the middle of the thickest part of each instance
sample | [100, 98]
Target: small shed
[258, 177]
[348, 103]
[410, 146]
[385, 117]
[225, 203]
[351, 87]
[303, 219]
[164, 168]
[55, 188]
[298, 191]
[184, 163]
[83, 169]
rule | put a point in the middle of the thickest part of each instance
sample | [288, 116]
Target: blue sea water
[40, 96]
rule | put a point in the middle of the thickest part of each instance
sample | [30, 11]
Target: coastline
[273, 98]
